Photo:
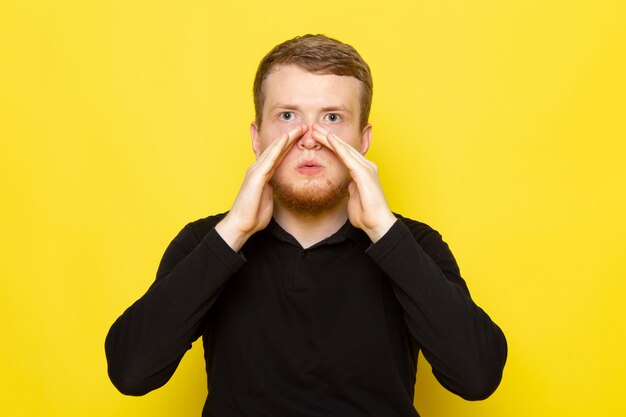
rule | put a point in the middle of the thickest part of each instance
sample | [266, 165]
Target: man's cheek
[266, 141]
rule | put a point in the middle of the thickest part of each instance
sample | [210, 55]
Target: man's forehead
[290, 86]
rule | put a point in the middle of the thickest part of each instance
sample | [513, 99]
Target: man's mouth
[309, 168]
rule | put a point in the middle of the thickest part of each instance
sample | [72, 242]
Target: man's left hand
[367, 207]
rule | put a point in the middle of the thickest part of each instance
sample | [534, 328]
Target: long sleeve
[465, 348]
[146, 343]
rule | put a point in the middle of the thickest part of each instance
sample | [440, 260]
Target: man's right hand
[254, 204]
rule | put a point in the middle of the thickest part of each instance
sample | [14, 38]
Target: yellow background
[500, 123]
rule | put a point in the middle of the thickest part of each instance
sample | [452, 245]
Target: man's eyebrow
[342, 108]
[286, 106]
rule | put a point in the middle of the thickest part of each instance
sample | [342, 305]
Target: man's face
[311, 178]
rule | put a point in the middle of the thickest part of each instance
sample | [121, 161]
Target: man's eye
[287, 115]
[332, 117]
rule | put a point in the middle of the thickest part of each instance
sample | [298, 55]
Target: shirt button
[304, 255]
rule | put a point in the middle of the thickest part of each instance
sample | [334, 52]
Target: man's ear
[366, 139]
[254, 135]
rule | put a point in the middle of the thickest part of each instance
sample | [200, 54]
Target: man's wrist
[233, 237]
[376, 233]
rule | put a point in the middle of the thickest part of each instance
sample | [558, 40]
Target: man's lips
[309, 167]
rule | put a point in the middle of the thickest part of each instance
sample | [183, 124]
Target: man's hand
[367, 206]
[254, 204]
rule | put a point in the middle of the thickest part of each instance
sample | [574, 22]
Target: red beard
[310, 200]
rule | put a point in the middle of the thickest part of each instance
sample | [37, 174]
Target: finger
[279, 148]
[350, 156]
[293, 136]
[319, 134]
[321, 139]
[350, 148]
[322, 136]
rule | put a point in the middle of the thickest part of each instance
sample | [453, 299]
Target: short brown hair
[318, 54]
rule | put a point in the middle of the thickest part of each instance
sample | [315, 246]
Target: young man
[312, 297]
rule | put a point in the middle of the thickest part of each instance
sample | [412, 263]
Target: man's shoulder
[431, 241]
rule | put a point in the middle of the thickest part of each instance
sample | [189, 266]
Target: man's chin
[311, 199]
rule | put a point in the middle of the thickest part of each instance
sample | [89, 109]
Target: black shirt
[331, 330]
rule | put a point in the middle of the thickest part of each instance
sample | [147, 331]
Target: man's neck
[310, 229]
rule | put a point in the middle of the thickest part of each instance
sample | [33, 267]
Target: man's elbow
[474, 384]
[132, 376]
[481, 386]
[136, 374]
[485, 378]
[477, 380]
[128, 382]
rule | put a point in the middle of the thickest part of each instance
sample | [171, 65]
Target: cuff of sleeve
[229, 258]
[386, 244]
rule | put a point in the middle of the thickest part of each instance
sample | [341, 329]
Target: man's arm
[466, 349]
[145, 345]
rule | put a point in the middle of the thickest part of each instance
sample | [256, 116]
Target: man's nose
[307, 141]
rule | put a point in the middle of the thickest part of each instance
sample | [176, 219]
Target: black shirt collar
[345, 232]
